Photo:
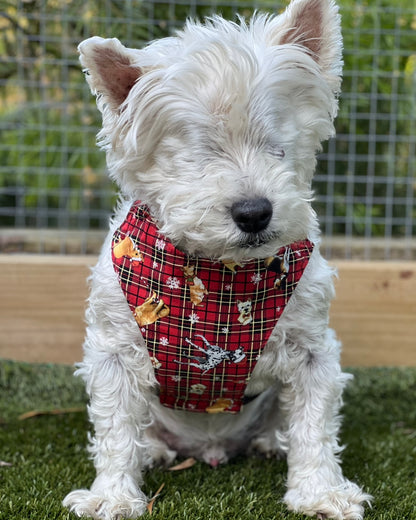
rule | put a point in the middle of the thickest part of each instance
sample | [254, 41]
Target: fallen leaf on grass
[152, 501]
[186, 464]
[59, 411]
[3, 463]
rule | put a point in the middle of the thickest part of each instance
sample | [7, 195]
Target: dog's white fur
[192, 123]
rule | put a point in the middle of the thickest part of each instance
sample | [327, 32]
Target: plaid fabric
[205, 323]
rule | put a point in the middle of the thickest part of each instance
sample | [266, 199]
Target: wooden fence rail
[43, 301]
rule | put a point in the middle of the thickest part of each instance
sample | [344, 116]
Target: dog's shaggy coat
[196, 125]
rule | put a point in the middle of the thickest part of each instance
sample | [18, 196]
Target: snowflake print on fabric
[204, 323]
[193, 317]
[256, 278]
[160, 244]
[173, 283]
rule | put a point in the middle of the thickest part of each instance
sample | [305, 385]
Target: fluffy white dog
[211, 136]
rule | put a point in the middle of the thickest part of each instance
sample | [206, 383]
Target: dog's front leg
[118, 412]
[311, 399]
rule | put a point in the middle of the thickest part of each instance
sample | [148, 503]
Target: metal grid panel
[367, 187]
[52, 178]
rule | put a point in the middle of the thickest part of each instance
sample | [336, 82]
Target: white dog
[215, 132]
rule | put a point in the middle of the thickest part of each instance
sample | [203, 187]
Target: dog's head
[244, 307]
[217, 128]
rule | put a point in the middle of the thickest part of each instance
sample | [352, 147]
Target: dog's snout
[252, 215]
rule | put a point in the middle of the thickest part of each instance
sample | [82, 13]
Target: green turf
[49, 459]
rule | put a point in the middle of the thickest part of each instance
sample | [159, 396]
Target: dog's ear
[110, 69]
[314, 25]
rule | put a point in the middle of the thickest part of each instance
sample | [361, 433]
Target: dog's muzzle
[252, 215]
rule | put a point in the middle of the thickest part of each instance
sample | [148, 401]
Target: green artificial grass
[48, 456]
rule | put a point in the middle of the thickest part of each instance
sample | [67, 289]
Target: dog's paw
[86, 503]
[267, 445]
[160, 458]
[157, 452]
[344, 502]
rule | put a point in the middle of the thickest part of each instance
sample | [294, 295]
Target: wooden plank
[43, 301]
[374, 313]
[42, 307]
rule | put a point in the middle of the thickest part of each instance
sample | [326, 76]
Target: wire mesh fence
[54, 194]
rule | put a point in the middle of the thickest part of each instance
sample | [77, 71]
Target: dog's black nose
[252, 215]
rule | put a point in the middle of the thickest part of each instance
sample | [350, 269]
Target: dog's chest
[205, 324]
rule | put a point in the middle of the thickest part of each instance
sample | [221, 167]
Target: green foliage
[375, 148]
[49, 164]
[48, 454]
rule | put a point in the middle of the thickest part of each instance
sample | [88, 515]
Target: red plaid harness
[205, 323]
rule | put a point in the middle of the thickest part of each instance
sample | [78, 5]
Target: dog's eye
[277, 151]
